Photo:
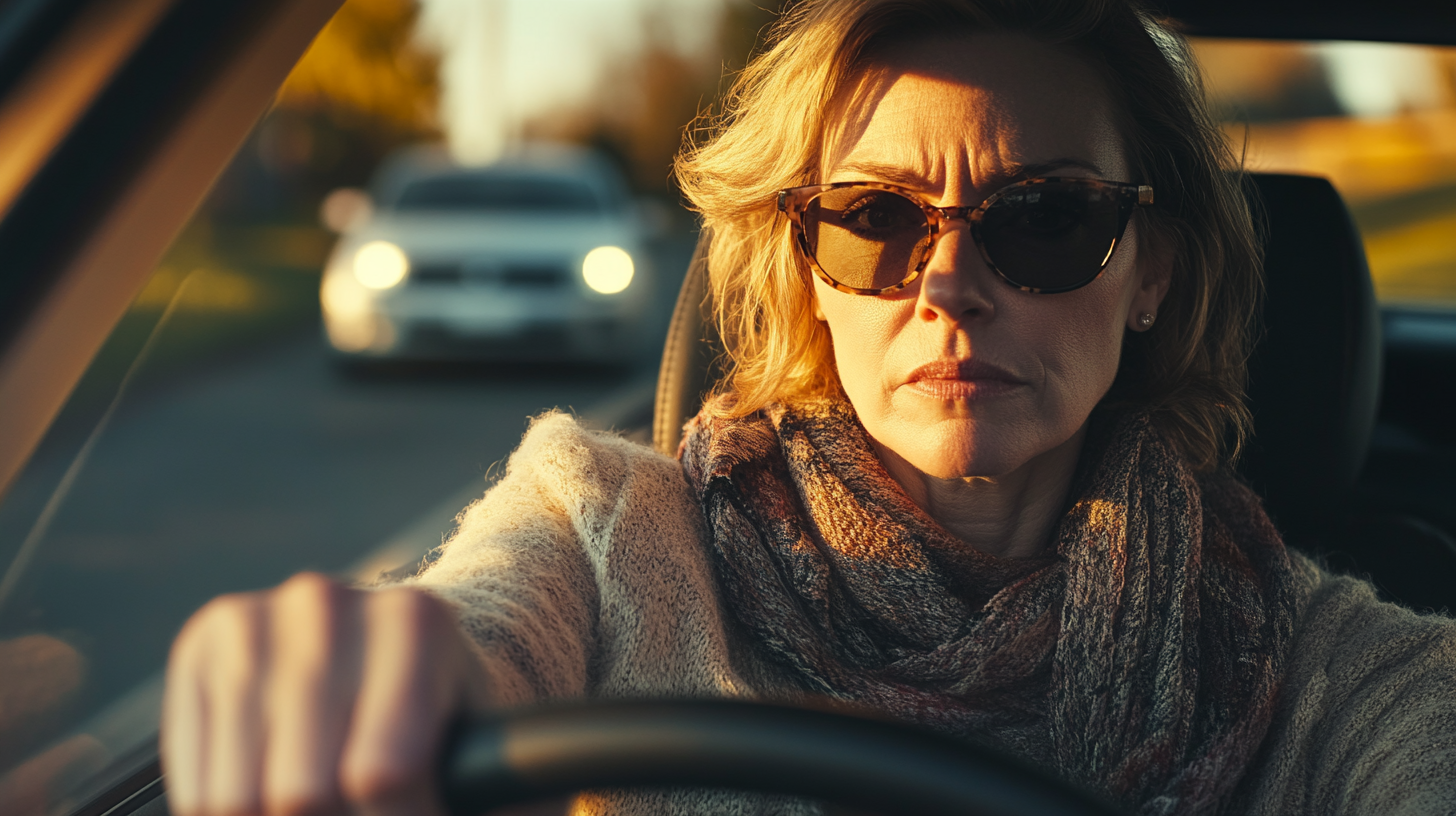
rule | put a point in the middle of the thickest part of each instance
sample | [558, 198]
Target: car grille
[428, 274]
[516, 276]
[538, 277]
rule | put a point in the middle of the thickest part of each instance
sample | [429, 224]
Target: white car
[537, 256]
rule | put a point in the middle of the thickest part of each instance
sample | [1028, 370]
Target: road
[238, 475]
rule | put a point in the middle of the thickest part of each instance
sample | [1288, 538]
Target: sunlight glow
[504, 63]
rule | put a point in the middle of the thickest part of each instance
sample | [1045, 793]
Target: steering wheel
[835, 758]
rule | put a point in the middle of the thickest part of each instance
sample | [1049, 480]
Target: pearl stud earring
[1145, 319]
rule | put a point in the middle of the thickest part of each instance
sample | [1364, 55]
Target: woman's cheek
[861, 367]
[1088, 350]
[862, 332]
[1077, 360]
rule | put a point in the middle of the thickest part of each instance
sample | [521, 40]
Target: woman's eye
[1051, 217]
[880, 212]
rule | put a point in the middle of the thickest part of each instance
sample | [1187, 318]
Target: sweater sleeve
[518, 573]
[582, 573]
[1368, 720]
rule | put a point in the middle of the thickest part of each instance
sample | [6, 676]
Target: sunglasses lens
[865, 238]
[1053, 236]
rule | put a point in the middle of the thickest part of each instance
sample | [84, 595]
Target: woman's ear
[1155, 274]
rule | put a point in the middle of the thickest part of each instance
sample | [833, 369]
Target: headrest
[1314, 379]
[1315, 373]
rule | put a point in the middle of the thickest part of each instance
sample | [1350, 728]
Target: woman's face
[955, 119]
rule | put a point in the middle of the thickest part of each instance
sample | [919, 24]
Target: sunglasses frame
[794, 201]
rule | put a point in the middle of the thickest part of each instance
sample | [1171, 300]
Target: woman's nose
[956, 283]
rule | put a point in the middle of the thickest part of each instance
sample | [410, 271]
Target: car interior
[116, 116]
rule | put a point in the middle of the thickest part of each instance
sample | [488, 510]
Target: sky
[504, 60]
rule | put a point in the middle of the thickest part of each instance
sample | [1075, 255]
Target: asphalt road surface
[239, 475]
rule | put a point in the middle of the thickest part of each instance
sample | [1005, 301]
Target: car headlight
[607, 269]
[380, 265]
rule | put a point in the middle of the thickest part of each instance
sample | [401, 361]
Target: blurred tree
[646, 100]
[364, 63]
[362, 89]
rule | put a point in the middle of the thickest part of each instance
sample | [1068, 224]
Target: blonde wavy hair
[1189, 372]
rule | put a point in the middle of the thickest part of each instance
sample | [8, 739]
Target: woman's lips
[962, 380]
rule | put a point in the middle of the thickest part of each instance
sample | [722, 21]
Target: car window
[225, 437]
[500, 194]
[1377, 119]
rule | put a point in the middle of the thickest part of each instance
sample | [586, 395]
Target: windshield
[227, 437]
[498, 194]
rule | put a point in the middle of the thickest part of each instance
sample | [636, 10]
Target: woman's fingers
[317, 636]
[213, 734]
[411, 687]
[312, 700]
[184, 725]
[238, 660]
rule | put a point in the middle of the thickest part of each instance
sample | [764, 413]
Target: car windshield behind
[497, 193]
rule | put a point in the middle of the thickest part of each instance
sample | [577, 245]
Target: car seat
[1314, 390]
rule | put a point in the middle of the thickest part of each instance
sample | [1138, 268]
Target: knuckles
[422, 615]
[228, 626]
[310, 612]
[225, 613]
[312, 586]
[313, 616]
[379, 777]
[289, 641]
[318, 803]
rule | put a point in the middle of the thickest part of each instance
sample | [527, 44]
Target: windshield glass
[1378, 120]
[236, 429]
[483, 193]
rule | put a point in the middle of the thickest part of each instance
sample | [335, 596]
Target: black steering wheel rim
[843, 760]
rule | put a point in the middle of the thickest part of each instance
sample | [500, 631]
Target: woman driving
[986, 289]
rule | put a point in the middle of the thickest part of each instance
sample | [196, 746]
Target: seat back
[1314, 378]
[689, 357]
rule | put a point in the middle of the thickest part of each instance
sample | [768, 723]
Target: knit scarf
[1141, 658]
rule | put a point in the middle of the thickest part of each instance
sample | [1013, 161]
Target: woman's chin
[957, 439]
[976, 465]
[952, 450]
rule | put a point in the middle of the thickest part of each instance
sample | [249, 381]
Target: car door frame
[116, 117]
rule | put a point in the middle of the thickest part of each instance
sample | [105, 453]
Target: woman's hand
[314, 698]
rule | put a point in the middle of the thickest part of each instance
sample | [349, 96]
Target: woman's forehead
[974, 110]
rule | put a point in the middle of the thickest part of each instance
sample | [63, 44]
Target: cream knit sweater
[583, 573]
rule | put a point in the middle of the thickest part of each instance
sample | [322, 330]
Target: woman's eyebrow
[1044, 167]
[883, 172]
[909, 178]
